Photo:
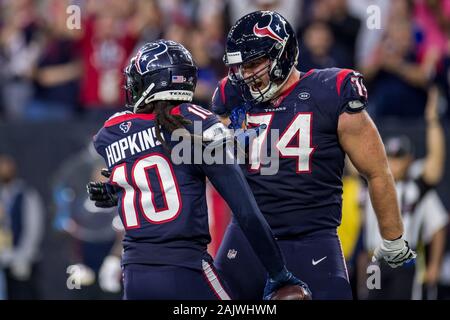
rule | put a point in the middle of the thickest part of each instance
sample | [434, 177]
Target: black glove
[103, 193]
[106, 173]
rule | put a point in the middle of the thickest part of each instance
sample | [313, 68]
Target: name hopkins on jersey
[131, 145]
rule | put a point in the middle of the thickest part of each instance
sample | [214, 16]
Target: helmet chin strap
[143, 96]
[270, 90]
[266, 93]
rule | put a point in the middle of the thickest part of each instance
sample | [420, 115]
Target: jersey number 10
[138, 191]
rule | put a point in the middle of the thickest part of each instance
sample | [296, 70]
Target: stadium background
[59, 84]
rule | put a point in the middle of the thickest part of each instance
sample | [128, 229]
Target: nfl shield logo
[231, 254]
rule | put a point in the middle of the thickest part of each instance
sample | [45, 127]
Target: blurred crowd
[51, 69]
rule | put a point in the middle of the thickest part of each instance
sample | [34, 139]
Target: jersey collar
[131, 116]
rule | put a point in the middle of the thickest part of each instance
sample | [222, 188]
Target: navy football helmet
[261, 34]
[161, 70]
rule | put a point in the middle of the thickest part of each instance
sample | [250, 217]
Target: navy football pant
[160, 282]
[315, 258]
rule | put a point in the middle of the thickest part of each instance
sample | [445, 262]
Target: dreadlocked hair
[164, 119]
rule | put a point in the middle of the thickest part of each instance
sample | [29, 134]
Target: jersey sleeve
[351, 91]
[100, 140]
[226, 97]
[98, 143]
[200, 118]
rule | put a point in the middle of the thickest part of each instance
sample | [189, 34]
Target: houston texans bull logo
[125, 126]
[147, 55]
[279, 34]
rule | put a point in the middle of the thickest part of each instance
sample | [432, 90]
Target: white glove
[395, 252]
[110, 274]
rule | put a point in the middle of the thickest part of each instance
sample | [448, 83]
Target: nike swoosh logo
[314, 262]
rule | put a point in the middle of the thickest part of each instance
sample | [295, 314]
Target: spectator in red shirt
[106, 46]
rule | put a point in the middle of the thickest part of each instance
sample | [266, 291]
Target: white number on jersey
[138, 192]
[300, 127]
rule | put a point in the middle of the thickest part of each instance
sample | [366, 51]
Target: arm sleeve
[96, 142]
[201, 119]
[231, 184]
[352, 93]
[218, 102]
[226, 97]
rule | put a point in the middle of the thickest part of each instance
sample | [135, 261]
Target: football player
[162, 204]
[319, 117]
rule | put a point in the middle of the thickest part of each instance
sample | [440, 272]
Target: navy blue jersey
[306, 192]
[224, 97]
[163, 204]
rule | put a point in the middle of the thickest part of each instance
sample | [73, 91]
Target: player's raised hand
[294, 288]
[431, 110]
[395, 252]
[102, 193]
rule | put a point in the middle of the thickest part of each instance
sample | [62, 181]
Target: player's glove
[103, 193]
[284, 278]
[395, 252]
[237, 117]
[243, 137]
